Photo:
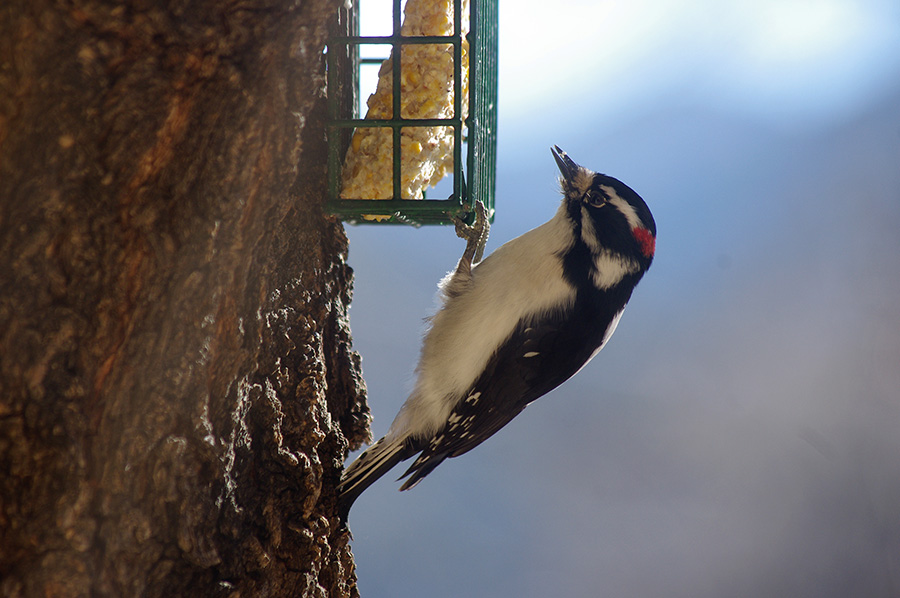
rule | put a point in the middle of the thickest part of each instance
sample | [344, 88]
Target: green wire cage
[474, 137]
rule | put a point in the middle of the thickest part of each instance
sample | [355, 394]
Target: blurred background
[740, 434]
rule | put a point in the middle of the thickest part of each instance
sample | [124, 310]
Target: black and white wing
[536, 358]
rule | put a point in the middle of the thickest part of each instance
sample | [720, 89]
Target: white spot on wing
[532, 354]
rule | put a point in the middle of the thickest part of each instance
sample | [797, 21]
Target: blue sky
[738, 436]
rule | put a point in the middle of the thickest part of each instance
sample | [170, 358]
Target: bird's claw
[475, 235]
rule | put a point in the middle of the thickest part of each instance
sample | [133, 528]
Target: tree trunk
[177, 386]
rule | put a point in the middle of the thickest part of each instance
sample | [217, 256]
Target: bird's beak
[567, 167]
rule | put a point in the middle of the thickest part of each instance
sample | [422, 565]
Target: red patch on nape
[645, 239]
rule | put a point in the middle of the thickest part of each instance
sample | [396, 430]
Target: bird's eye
[595, 198]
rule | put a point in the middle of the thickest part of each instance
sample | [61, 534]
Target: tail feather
[422, 466]
[373, 463]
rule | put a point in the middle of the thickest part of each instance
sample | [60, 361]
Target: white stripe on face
[624, 207]
[612, 268]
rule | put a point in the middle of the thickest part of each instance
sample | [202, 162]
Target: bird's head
[606, 214]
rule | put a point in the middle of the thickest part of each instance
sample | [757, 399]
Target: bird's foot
[475, 235]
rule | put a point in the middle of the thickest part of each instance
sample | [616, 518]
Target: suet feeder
[400, 127]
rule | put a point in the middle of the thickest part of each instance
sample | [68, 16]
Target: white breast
[524, 276]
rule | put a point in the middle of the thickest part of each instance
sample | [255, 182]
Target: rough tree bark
[177, 385]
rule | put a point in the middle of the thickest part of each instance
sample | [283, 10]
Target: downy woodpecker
[517, 325]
